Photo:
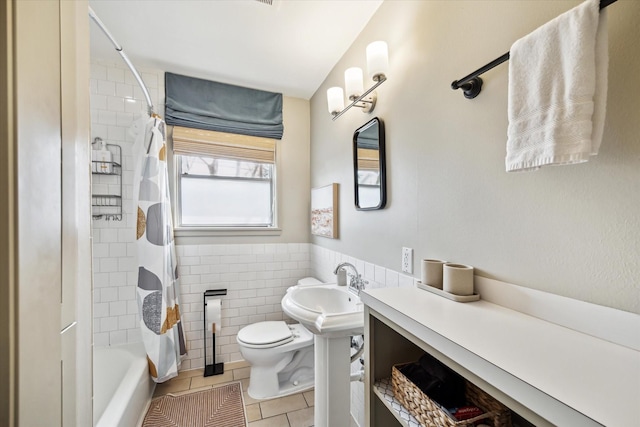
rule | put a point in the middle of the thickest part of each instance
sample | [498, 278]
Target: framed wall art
[324, 211]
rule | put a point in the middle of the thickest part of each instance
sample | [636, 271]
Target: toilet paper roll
[457, 279]
[214, 314]
[432, 272]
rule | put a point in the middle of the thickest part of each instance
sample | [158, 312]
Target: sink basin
[328, 310]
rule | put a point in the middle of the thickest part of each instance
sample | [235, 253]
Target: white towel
[558, 90]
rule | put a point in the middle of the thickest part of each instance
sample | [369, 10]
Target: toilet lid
[270, 334]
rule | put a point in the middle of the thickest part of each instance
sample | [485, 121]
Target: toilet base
[296, 376]
[284, 389]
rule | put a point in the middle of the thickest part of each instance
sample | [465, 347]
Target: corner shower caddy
[107, 204]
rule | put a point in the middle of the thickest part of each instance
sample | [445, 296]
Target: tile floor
[295, 410]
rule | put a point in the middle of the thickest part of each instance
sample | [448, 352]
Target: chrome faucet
[357, 283]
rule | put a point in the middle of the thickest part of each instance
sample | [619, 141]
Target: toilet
[280, 355]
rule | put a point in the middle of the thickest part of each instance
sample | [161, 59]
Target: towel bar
[472, 83]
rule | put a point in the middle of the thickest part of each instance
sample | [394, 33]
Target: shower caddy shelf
[108, 205]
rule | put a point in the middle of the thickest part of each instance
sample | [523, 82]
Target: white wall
[77, 360]
[36, 227]
[570, 230]
[46, 348]
[256, 270]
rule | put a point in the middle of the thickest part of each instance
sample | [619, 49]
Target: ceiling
[288, 47]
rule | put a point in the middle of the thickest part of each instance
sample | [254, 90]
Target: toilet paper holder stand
[214, 368]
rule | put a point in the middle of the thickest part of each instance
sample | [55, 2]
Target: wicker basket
[430, 414]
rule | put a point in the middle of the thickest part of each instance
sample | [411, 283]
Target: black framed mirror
[369, 166]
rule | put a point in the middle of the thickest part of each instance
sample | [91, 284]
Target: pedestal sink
[327, 310]
[333, 314]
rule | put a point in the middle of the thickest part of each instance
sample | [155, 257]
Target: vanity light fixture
[377, 66]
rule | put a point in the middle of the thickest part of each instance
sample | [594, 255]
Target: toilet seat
[265, 334]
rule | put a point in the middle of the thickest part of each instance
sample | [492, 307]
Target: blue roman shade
[369, 138]
[203, 104]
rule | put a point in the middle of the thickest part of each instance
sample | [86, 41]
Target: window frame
[195, 232]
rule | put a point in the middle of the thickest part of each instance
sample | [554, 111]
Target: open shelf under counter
[546, 373]
[383, 390]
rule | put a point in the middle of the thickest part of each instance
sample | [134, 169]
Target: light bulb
[377, 59]
[353, 84]
[335, 99]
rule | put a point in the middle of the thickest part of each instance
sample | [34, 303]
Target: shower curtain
[157, 290]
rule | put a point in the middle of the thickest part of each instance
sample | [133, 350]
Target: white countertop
[589, 375]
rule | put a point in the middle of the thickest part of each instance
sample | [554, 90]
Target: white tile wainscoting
[256, 277]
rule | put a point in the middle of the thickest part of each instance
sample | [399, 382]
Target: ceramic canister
[432, 272]
[457, 279]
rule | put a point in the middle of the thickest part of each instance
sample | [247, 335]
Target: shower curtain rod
[125, 58]
[472, 87]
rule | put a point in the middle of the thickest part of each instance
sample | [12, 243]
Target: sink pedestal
[332, 381]
[333, 314]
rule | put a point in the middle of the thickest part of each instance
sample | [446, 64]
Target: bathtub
[122, 387]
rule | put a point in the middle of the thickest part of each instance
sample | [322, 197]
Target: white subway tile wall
[256, 277]
[115, 105]
[324, 261]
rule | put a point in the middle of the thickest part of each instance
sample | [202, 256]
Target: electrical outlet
[407, 260]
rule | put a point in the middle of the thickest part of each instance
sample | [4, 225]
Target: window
[224, 180]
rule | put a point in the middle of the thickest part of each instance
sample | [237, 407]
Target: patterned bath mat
[222, 406]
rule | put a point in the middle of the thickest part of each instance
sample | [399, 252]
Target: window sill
[225, 231]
